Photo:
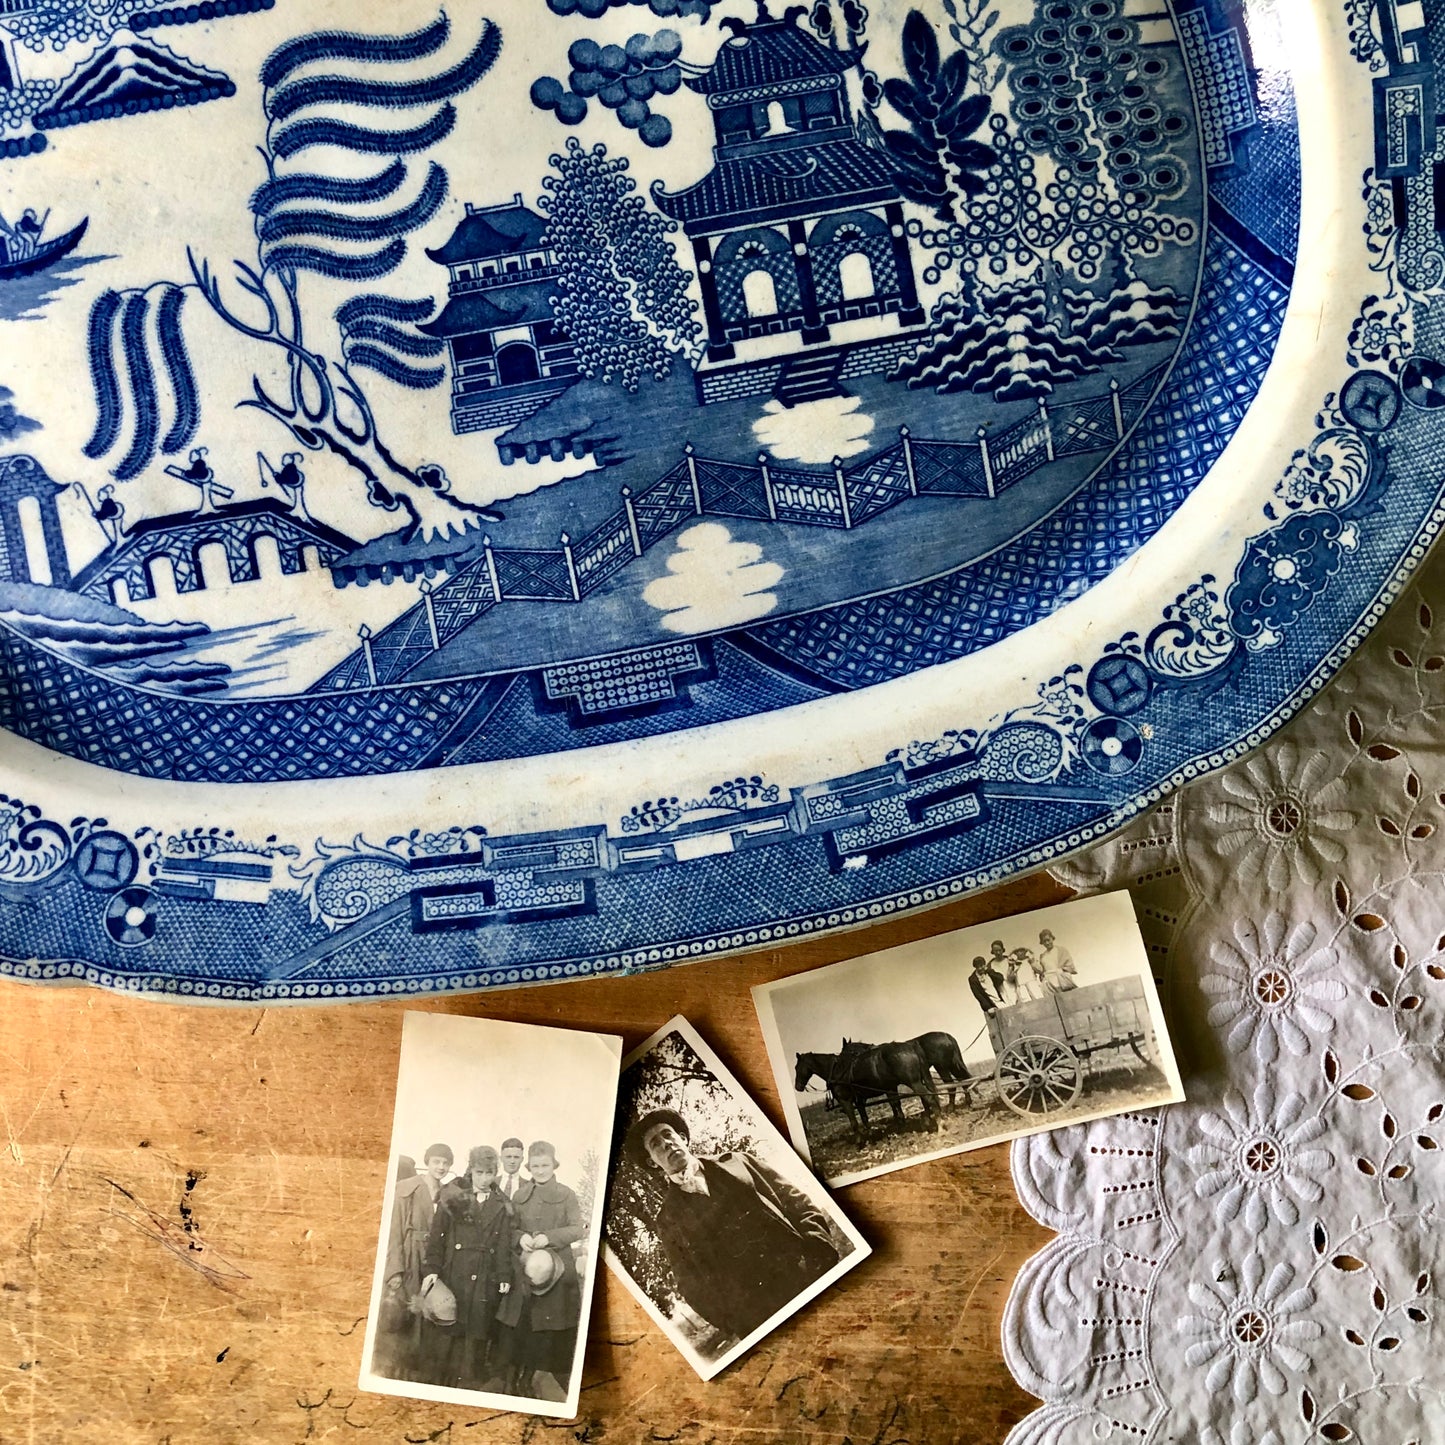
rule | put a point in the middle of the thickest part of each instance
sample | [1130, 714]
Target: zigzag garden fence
[699, 486]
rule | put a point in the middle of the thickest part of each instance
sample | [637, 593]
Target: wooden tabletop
[190, 1198]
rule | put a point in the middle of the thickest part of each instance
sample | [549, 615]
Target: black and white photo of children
[492, 1224]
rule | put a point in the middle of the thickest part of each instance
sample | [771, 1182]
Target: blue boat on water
[22, 253]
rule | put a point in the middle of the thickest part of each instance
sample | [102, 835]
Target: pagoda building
[508, 356]
[798, 230]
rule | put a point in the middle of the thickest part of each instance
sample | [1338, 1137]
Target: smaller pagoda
[508, 355]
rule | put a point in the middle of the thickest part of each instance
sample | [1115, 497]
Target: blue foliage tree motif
[626, 78]
[58, 23]
[13, 422]
[596, 9]
[307, 222]
[824, 20]
[1077, 192]
[622, 78]
[623, 297]
[935, 161]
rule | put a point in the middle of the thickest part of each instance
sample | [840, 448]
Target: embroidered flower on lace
[1258, 1158]
[1280, 814]
[1272, 987]
[1249, 1328]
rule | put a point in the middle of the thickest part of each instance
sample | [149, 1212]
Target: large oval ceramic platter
[558, 487]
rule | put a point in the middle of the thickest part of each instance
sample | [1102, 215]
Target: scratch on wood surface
[64, 1160]
[258, 1023]
[13, 1134]
[181, 1239]
[887, 1425]
[968, 1300]
[636, 1400]
[440, 1433]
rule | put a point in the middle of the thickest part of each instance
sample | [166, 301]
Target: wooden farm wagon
[1048, 1048]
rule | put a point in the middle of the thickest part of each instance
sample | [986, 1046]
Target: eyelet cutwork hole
[1261, 1157]
[1283, 817]
[1271, 987]
[1250, 1328]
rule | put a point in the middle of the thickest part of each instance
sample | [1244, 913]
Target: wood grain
[189, 1203]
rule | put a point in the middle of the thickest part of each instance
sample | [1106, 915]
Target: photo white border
[482, 1399]
[787, 1163]
[1118, 903]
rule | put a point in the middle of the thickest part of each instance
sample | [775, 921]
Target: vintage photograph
[490, 1230]
[969, 1038]
[713, 1222]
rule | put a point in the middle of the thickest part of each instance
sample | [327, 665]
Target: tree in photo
[669, 1076]
[1045, 240]
[622, 296]
[311, 218]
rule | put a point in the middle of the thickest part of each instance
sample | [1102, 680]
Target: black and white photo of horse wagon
[1025, 1037]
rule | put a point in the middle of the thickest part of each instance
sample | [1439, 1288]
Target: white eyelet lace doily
[1261, 1265]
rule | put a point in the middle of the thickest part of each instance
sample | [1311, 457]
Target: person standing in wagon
[1025, 976]
[542, 1312]
[1057, 964]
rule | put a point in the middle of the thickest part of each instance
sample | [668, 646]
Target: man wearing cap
[513, 1151]
[542, 1313]
[469, 1249]
[740, 1240]
[411, 1219]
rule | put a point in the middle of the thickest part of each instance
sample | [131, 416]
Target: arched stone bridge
[193, 551]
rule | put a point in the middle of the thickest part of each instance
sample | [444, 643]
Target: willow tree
[312, 216]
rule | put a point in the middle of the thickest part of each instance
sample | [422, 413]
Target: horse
[852, 1050]
[856, 1077]
[942, 1052]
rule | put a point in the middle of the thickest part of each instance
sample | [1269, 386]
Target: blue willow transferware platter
[555, 487]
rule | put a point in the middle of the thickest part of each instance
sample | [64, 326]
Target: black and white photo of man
[713, 1223]
[987, 986]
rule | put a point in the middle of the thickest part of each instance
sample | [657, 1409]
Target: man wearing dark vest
[740, 1240]
[987, 986]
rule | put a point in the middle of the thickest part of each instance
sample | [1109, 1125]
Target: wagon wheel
[1038, 1075]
